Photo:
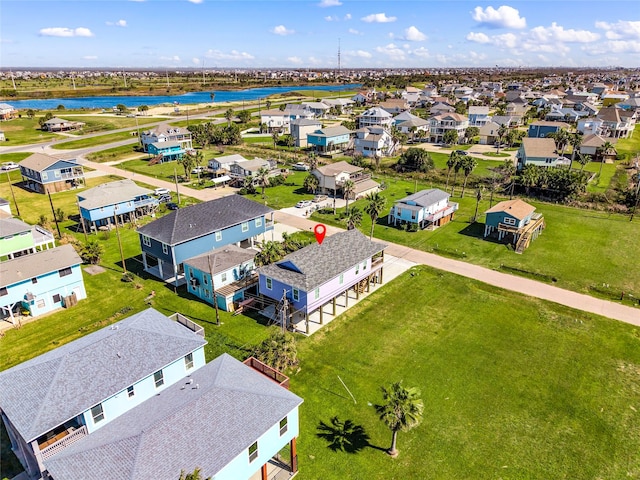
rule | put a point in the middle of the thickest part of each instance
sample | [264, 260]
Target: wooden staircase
[155, 160]
[525, 238]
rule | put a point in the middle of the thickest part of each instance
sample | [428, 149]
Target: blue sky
[305, 34]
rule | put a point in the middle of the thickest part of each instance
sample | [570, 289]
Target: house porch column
[160, 268]
[294, 455]
[306, 322]
[321, 312]
[334, 306]
[144, 260]
[346, 298]
[263, 472]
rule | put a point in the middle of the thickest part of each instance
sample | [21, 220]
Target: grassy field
[101, 123]
[602, 184]
[22, 131]
[122, 152]
[630, 146]
[13, 157]
[518, 389]
[92, 141]
[585, 251]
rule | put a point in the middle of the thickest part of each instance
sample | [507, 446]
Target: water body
[108, 102]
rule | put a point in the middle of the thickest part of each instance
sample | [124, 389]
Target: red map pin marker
[320, 231]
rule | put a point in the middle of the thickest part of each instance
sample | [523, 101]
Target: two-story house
[41, 282]
[184, 233]
[478, 116]
[374, 142]
[330, 140]
[123, 198]
[251, 167]
[410, 124]
[514, 219]
[46, 174]
[616, 123]
[543, 128]
[7, 112]
[117, 403]
[317, 274]
[56, 124]
[18, 238]
[166, 133]
[331, 179]
[426, 208]
[279, 120]
[233, 274]
[539, 151]
[442, 123]
[375, 116]
[301, 127]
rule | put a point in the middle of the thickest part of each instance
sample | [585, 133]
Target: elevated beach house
[46, 174]
[187, 232]
[426, 208]
[515, 220]
[136, 400]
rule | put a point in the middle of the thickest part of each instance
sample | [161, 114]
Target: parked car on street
[164, 198]
[304, 204]
[161, 191]
[319, 198]
[462, 152]
[172, 206]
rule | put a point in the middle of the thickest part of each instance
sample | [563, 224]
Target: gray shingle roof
[48, 390]
[424, 198]
[12, 226]
[29, 266]
[203, 218]
[224, 258]
[319, 263]
[40, 161]
[111, 193]
[181, 428]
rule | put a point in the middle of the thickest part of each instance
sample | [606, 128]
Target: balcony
[448, 210]
[190, 324]
[145, 202]
[278, 377]
[75, 173]
[61, 441]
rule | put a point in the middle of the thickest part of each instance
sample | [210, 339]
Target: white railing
[190, 324]
[64, 442]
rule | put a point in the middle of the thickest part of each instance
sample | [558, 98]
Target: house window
[206, 294]
[413, 215]
[316, 293]
[131, 392]
[296, 294]
[399, 212]
[97, 413]
[165, 248]
[188, 361]
[509, 221]
[218, 236]
[4, 291]
[158, 378]
[146, 241]
[206, 279]
[57, 298]
[283, 426]
[64, 272]
[40, 303]
[364, 265]
[341, 278]
[223, 277]
[34, 280]
[258, 222]
[245, 226]
[269, 283]
[57, 173]
[253, 452]
[44, 175]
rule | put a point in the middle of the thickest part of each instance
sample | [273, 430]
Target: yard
[21, 131]
[102, 123]
[93, 141]
[580, 250]
[519, 388]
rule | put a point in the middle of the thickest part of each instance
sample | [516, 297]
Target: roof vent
[119, 355]
[197, 386]
[190, 381]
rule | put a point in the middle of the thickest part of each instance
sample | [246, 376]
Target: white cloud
[378, 18]
[414, 35]
[363, 54]
[613, 46]
[393, 51]
[421, 52]
[66, 32]
[233, 55]
[90, 57]
[295, 60]
[502, 17]
[353, 31]
[175, 58]
[330, 3]
[557, 33]
[195, 60]
[347, 16]
[282, 30]
[508, 40]
[620, 29]
[478, 37]
[330, 18]
[195, 1]
[119, 23]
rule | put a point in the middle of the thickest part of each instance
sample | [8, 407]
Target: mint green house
[19, 238]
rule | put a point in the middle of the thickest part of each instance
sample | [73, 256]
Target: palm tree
[143, 109]
[274, 136]
[353, 219]
[270, 252]
[401, 411]
[575, 140]
[502, 131]
[583, 160]
[468, 164]
[478, 198]
[373, 208]
[229, 115]
[604, 150]
[311, 183]
[453, 159]
[262, 177]
[348, 187]
[279, 351]
[456, 168]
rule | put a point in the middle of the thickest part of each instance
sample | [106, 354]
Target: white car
[10, 166]
[161, 191]
[198, 170]
[304, 204]
[301, 166]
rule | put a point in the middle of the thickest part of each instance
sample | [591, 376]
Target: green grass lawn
[581, 249]
[92, 141]
[13, 157]
[513, 387]
[600, 185]
[116, 153]
[164, 171]
[630, 146]
[101, 123]
[21, 131]
[286, 195]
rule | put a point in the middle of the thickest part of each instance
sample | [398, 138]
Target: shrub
[128, 277]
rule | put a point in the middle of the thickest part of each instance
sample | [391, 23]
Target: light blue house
[170, 240]
[543, 128]
[540, 152]
[516, 220]
[233, 274]
[135, 400]
[167, 150]
[124, 198]
[426, 208]
[46, 174]
[41, 282]
[316, 275]
[330, 139]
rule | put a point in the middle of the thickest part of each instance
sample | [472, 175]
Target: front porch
[278, 467]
